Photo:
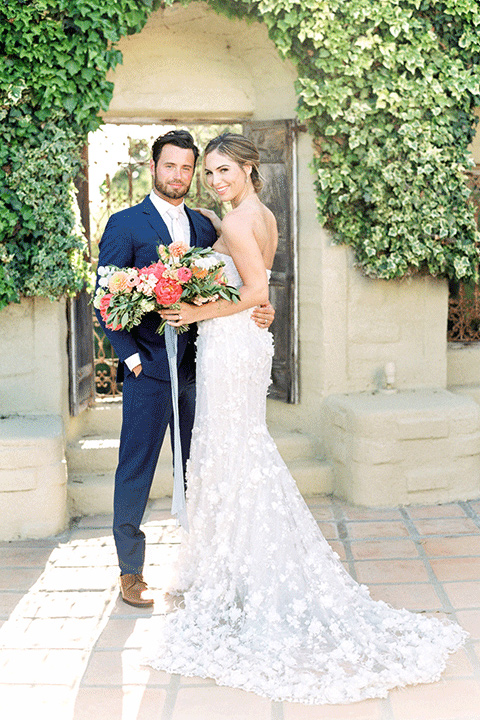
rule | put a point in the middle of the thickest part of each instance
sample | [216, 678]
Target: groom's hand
[137, 370]
[263, 315]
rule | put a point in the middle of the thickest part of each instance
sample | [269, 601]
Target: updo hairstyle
[239, 149]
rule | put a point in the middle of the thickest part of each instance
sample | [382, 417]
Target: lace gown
[268, 607]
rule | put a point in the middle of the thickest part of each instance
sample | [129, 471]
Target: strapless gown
[268, 606]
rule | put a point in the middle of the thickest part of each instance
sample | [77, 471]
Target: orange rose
[199, 272]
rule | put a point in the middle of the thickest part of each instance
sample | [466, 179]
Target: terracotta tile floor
[70, 649]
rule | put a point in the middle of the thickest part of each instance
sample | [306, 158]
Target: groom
[131, 239]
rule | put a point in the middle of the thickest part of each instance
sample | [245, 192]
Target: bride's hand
[263, 315]
[212, 216]
[185, 315]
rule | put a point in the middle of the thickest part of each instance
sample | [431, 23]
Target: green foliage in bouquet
[182, 274]
[387, 89]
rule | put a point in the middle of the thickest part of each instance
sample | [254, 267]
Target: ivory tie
[176, 229]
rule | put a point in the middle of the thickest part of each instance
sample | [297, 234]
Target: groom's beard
[169, 192]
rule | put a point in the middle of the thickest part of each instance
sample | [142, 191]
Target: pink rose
[157, 269]
[105, 303]
[132, 280]
[110, 327]
[168, 291]
[184, 274]
[104, 307]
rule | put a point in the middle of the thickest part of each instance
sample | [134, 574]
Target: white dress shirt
[163, 207]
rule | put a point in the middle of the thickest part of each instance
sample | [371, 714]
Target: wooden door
[276, 142]
[80, 323]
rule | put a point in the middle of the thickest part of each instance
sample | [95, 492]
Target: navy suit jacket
[131, 239]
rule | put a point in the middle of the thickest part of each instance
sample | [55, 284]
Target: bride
[268, 606]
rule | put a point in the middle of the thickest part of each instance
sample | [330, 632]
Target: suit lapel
[155, 220]
[197, 234]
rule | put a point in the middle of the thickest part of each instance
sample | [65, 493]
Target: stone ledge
[403, 448]
[33, 477]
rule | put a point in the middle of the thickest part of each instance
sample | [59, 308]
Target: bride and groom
[267, 606]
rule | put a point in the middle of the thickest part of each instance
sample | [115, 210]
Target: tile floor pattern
[69, 648]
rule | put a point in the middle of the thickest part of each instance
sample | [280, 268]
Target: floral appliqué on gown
[268, 606]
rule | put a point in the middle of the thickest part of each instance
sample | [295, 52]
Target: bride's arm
[238, 236]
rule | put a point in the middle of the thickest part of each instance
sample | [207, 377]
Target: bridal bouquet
[182, 273]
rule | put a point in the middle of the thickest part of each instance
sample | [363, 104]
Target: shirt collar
[163, 206]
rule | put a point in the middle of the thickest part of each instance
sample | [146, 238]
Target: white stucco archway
[189, 63]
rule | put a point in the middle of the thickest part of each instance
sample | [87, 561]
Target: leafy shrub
[387, 88]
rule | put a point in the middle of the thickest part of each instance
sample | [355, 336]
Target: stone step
[293, 445]
[98, 453]
[313, 476]
[92, 493]
[92, 454]
[33, 478]
[472, 391]
[104, 418]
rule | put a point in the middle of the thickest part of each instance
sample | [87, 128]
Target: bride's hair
[239, 149]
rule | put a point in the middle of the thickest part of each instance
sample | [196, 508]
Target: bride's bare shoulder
[242, 216]
[269, 217]
[250, 218]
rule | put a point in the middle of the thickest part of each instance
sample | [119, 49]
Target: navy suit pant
[147, 411]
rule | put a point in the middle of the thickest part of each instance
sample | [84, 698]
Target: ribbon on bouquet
[179, 506]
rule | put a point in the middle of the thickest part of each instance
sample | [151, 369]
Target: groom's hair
[180, 138]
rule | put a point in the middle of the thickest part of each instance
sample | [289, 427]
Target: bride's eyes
[208, 173]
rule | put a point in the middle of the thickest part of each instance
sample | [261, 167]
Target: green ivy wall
[387, 88]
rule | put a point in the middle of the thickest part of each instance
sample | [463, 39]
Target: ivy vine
[387, 88]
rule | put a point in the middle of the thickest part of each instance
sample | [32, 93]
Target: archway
[191, 64]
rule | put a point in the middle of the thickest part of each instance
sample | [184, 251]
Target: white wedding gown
[268, 606]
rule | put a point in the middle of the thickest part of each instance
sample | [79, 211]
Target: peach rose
[178, 248]
[119, 282]
[199, 272]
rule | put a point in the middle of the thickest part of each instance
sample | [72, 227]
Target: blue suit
[131, 239]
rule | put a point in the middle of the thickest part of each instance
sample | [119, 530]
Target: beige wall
[33, 358]
[189, 63]
[33, 412]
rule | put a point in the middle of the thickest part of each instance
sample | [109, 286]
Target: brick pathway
[70, 648]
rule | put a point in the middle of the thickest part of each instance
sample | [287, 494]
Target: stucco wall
[33, 411]
[33, 358]
[189, 63]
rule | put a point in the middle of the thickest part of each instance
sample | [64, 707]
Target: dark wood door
[80, 323]
[276, 142]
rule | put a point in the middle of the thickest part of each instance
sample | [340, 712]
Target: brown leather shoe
[135, 591]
